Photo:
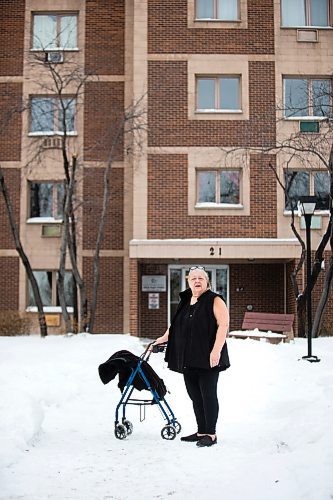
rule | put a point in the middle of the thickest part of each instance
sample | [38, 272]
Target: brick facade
[10, 121]
[11, 37]
[153, 322]
[103, 114]
[13, 181]
[109, 312]
[158, 47]
[326, 326]
[9, 277]
[260, 285]
[169, 32]
[93, 185]
[167, 110]
[105, 37]
[134, 297]
[168, 209]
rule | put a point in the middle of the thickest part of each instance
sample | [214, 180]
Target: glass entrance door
[219, 279]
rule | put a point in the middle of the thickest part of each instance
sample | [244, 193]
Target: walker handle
[159, 347]
[156, 348]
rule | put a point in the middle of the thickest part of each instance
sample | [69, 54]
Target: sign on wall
[153, 301]
[155, 283]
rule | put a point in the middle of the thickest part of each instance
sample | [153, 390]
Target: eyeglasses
[197, 267]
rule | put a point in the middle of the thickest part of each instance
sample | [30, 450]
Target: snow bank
[57, 418]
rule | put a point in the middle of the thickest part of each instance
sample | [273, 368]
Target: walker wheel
[120, 431]
[128, 426]
[177, 426]
[168, 432]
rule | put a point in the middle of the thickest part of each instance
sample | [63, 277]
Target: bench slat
[268, 321]
[266, 326]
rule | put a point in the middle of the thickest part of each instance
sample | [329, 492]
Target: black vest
[194, 340]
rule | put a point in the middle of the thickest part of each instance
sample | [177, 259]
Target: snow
[256, 333]
[275, 437]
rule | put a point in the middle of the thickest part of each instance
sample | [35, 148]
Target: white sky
[275, 438]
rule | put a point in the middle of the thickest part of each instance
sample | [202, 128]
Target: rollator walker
[136, 373]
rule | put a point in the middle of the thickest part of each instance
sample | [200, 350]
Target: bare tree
[131, 125]
[22, 255]
[310, 150]
[9, 111]
[66, 84]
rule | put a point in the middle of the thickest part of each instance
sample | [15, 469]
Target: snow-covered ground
[275, 438]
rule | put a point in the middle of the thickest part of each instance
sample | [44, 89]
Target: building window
[218, 93]
[222, 10]
[47, 283]
[303, 183]
[307, 97]
[51, 115]
[218, 187]
[305, 13]
[46, 200]
[54, 31]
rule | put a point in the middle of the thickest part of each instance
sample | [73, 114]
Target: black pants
[201, 386]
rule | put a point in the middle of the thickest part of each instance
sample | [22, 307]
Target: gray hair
[204, 273]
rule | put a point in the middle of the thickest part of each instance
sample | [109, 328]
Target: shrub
[13, 323]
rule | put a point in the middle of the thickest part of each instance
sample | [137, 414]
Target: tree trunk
[316, 268]
[71, 241]
[101, 226]
[82, 326]
[62, 264]
[75, 306]
[301, 316]
[83, 321]
[23, 256]
[329, 272]
[96, 274]
[323, 300]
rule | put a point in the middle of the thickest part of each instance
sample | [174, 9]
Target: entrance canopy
[224, 248]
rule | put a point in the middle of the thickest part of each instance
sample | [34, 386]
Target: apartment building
[221, 81]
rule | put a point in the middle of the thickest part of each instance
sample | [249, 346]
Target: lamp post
[307, 205]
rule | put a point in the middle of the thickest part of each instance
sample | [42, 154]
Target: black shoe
[191, 439]
[206, 441]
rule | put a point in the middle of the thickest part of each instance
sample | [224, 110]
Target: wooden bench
[270, 326]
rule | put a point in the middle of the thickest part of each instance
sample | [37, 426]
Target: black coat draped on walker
[123, 363]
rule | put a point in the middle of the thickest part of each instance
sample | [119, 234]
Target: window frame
[58, 16]
[310, 104]
[216, 8]
[218, 204]
[307, 12]
[312, 174]
[42, 219]
[53, 307]
[56, 114]
[217, 97]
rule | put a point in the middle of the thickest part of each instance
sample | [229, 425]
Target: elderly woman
[197, 348]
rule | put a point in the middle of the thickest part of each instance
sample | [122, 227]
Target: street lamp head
[307, 205]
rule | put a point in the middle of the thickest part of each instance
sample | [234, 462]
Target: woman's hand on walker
[150, 348]
[160, 340]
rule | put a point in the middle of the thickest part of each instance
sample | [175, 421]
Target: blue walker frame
[125, 428]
